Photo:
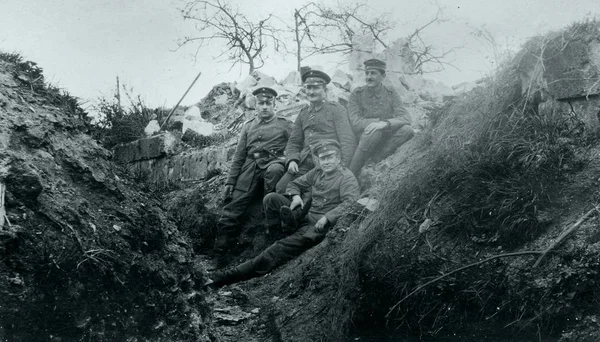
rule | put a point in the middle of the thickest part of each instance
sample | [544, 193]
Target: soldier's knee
[370, 140]
[275, 170]
[269, 198]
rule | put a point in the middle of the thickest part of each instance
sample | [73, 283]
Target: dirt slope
[84, 255]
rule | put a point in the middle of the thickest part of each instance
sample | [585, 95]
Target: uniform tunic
[258, 159]
[330, 121]
[368, 105]
[332, 193]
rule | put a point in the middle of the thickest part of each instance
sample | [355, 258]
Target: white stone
[221, 99]
[151, 128]
[370, 203]
[342, 79]
[200, 127]
[293, 78]
[193, 113]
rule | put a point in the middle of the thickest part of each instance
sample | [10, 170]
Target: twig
[420, 287]
[564, 235]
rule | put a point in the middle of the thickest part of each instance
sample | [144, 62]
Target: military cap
[374, 64]
[326, 147]
[315, 77]
[264, 92]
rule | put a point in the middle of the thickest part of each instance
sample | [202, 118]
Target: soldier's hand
[375, 126]
[297, 201]
[320, 226]
[293, 167]
[227, 192]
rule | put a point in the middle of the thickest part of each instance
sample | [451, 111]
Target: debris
[230, 315]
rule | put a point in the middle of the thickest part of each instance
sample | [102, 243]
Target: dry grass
[492, 166]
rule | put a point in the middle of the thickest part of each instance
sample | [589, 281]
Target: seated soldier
[319, 120]
[333, 188]
[377, 117]
[258, 164]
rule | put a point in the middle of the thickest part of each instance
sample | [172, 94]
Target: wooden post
[2, 209]
[118, 94]
[181, 99]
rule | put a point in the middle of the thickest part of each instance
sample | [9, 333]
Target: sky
[84, 45]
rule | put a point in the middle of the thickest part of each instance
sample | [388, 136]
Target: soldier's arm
[357, 120]
[295, 142]
[401, 116]
[239, 156]
[302, 184]
[349, 193]
[345, 134]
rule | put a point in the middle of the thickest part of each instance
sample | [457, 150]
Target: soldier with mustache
[377, 118]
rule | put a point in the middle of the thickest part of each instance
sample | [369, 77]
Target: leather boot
[358, 161]
[226, 241]
[234, 275]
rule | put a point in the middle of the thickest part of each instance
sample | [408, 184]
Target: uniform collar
[315, 109]
[261, 120]
[376, 92]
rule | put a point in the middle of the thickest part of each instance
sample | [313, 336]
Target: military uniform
[258, 159]
[312, 125]
[369, 105]
[331, 193]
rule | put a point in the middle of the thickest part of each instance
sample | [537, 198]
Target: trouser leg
[272, 176]
[397, 139]
[283, 251]
[366, 146]
[303, 168]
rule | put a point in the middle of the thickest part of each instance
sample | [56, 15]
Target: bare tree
[245, 40]
[336, 26]
[427, 57]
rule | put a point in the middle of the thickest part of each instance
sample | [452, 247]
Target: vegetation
[488, 179]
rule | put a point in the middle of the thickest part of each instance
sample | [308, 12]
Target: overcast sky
[83, 45]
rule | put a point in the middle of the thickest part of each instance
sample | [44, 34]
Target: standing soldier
[333, 188]
[318, 121]
[377, 117]
[258, 164]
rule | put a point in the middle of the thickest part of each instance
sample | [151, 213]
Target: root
[420, 287]
[564, 235]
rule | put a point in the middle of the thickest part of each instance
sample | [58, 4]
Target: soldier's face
[315, 92]
[331, 162]
[265, 107]
[373, 77]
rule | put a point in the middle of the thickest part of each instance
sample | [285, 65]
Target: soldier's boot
[226, 241]
[358, 161]
[234, 275]
[289, 217]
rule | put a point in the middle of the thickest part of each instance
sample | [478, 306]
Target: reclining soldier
[377, 117]
[333, 188]
[258, 164]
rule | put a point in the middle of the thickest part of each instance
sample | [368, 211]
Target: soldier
[333, 188]
[258, 163]
[377, 117]
[319, 120]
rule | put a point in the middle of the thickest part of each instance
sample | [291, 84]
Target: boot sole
[287, 217]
